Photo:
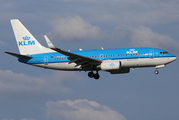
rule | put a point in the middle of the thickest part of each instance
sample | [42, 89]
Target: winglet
[49, 43]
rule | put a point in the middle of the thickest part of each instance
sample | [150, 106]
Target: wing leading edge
[82, 61]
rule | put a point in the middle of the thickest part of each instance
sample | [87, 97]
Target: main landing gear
[92, 75]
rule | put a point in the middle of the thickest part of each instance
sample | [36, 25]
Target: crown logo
[26, 38]
[112, 64]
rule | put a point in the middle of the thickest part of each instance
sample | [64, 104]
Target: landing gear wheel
[96, 76]
[156, 72]
[91, 74]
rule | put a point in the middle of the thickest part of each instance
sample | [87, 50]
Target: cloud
[80, 109]
[20, 85]
[75, 28]
[133, 12]
[145, 37]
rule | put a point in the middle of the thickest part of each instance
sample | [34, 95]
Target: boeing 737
[115, 61]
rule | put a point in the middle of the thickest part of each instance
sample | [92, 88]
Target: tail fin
[26, 42]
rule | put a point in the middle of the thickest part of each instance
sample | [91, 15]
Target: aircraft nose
[173, 58]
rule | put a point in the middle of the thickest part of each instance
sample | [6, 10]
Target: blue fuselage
[108, 54]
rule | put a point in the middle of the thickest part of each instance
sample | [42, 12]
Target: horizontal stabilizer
[18, 55]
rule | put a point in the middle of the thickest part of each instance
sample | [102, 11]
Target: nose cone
[173, 58]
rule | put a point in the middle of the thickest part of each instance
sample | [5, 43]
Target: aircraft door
[151, 54]
[101, 57]
[45, 60]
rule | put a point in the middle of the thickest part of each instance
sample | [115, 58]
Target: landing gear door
[151, 54]
[45, 60]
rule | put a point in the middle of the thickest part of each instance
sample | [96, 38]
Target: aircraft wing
[85, 62]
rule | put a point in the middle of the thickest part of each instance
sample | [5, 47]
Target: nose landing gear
[92, 75]
[156, 72]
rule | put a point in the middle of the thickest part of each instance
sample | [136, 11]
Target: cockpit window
[163, 52]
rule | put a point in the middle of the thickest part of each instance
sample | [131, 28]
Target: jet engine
[110, 65]
[114, 67]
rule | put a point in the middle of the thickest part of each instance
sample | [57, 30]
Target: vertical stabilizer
[26, 42]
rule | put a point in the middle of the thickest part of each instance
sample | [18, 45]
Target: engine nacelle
[110, 65]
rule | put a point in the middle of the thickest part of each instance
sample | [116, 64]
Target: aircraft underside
[126, 64]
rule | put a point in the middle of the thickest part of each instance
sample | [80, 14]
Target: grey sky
[31, 93]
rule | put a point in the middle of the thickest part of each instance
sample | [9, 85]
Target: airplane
[115, 61]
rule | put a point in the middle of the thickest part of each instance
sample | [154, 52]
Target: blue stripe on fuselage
[108, 54]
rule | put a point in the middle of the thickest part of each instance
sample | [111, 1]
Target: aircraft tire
[91, 74]
[96, 76]
[156, 72]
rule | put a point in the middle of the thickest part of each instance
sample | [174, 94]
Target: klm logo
[26, 38]
[49, 43]
[26, 41]
[112, 65]
[131, 51]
